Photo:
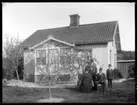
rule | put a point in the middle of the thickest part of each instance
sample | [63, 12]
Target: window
[88, 54]
[37, 54]
[41, 57]
[115, 57]
[110, 54]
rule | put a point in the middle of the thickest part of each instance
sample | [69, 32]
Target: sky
[23, 19]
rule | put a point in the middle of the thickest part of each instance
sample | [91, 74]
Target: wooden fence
[123, 66]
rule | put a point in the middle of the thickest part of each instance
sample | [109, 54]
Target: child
[109, 74]
[101, 80]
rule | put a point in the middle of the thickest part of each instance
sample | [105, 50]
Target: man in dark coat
[86, 82]
[110, 75]
[93, 71]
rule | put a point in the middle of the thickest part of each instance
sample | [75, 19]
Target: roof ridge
[99, 23]
[53, 28]
[79, 25]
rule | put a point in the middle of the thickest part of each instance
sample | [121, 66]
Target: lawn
[122, 93]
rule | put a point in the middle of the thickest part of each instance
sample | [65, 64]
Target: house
[101, 40]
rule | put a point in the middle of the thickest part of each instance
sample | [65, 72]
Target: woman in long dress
[86, 82]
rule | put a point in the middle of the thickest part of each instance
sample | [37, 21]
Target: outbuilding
[123, 66]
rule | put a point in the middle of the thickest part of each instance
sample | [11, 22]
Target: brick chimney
[74, 20]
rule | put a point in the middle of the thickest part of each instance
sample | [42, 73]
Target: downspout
[35, 66]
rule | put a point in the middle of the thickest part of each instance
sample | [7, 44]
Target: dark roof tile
[84, 34]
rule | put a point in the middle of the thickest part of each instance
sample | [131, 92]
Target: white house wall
[99, 52]
[111, 46]
[101, 55]
[29, 66]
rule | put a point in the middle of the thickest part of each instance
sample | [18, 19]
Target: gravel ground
[121, 80]
[52, 100]
[121, 93]
[20, 83]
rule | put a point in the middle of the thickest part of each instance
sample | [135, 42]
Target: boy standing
[110, 76]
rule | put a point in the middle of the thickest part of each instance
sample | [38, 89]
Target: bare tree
[13, 52]
[67, 62]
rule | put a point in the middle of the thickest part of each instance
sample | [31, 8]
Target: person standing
[86, 82]
[88, 66]
[110, 76]
[80, 77]
[93, 69]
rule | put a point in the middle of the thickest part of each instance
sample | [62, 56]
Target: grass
[122, 93]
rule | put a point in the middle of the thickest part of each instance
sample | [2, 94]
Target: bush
[131, 71]
[117, 74]
[10, 73]
[20, 69]
[7, 74]
[3, 73]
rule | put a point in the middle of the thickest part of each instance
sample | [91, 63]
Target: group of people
[90, 80]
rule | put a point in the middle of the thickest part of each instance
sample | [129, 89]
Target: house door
[52, 61]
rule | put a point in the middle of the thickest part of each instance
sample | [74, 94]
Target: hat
[86, 70]
[109, 65]
[91, 60]
[100, 68]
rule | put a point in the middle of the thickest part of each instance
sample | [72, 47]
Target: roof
[83, 34]
[124, 61]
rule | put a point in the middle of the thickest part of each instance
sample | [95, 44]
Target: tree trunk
[49, 88]
[49, 75]
[24, 77]
[17, 68]
[17, 74]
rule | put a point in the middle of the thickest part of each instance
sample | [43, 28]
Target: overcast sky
[24, 19]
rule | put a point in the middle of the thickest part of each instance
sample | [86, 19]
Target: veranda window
[65, 57]
[40, 57]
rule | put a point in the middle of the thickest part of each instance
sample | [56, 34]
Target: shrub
[63, 78]
[20, 69]
[131, 70]
[117, 74]
[7, 74]
[3, 73]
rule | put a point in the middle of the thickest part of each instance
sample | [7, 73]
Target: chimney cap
[74, 15]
